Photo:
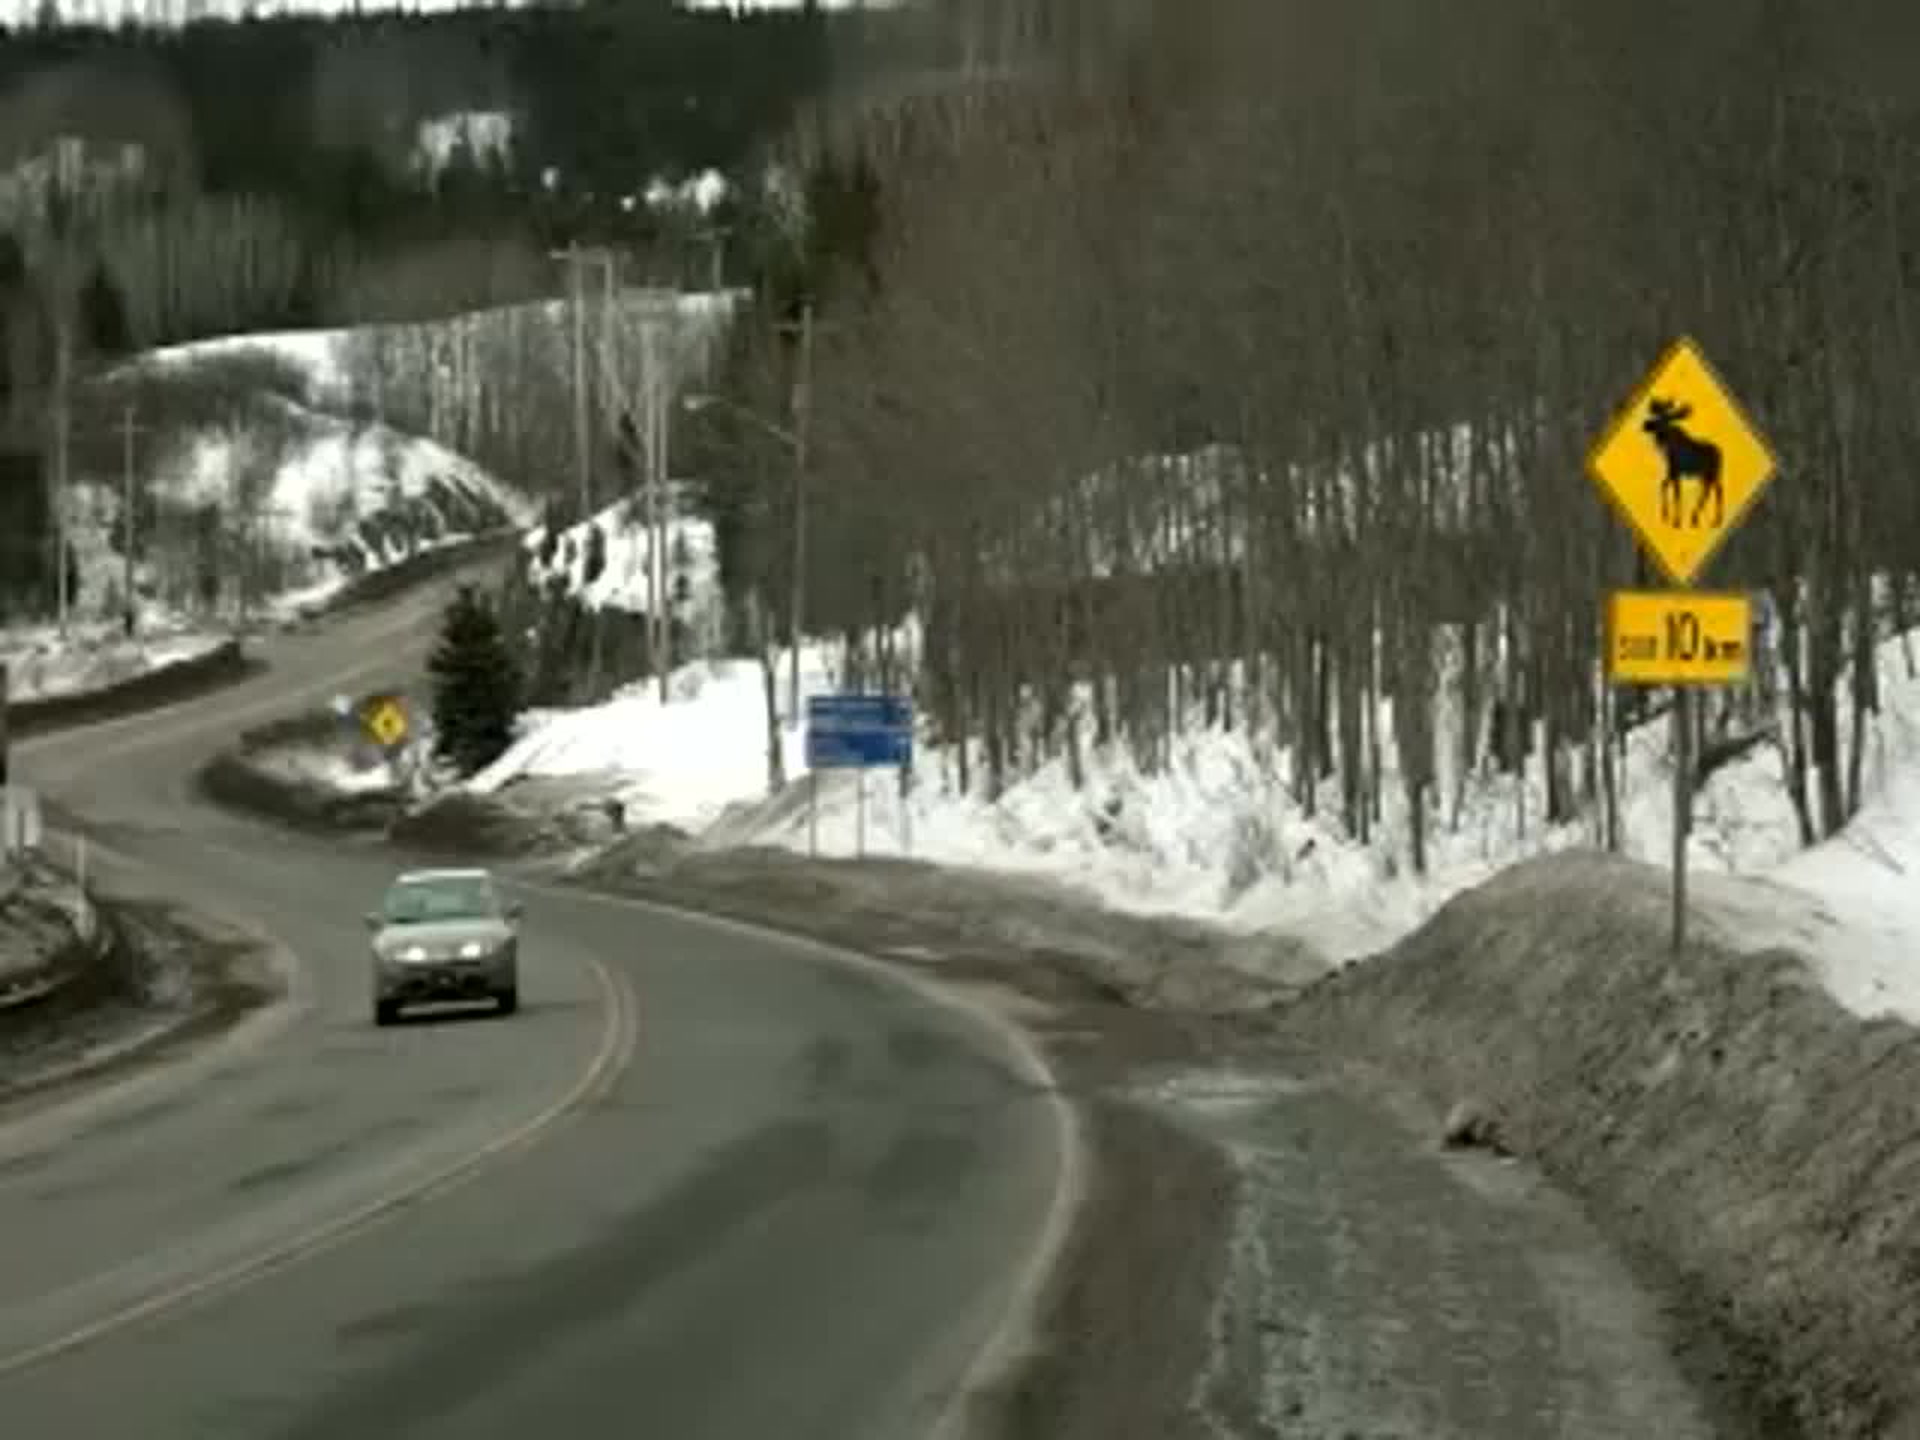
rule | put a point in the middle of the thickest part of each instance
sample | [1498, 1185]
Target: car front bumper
[420, 981]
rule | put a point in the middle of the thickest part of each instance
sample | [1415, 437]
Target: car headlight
[414, 954]
[472, 950]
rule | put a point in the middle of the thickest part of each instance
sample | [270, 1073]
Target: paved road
[705, 1184]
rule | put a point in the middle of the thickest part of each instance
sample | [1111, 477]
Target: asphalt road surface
[705, 1184]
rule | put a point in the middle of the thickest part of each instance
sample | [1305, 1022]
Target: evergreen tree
[476, 685]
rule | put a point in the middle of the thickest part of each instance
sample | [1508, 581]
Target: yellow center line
[619, 1038]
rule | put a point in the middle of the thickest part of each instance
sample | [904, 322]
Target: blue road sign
[859, 732]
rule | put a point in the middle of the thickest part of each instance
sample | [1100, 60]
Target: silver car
[444, 935]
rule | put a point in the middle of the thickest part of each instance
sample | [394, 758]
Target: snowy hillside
[338, 500]
[274, 497]
[605, 563]
[251, 496]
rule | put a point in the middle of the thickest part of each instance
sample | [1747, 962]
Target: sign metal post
[1683, 465]
[858, 733]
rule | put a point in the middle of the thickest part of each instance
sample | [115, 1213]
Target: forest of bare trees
[1251, 381]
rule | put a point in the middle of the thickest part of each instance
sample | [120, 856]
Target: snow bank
[94, 655]
[1720, 1117]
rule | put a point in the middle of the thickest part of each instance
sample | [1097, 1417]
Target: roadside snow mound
[95, 655]
[1720, 1115]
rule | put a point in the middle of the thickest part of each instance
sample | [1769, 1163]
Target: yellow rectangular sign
[1679, 637]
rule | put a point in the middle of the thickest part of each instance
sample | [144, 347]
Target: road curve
[705, 1184]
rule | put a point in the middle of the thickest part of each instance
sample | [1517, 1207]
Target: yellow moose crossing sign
[1682, 463]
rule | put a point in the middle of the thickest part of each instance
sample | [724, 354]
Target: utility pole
[647, 402]
[62, 423]
[581, 419]
[576, 256]
[658, 451]
[802, 424]
[129, 426]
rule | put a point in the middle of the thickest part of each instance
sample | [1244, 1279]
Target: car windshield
[443, 897]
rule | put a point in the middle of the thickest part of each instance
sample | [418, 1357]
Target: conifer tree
[476, 685]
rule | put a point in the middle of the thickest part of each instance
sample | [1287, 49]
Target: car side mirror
[515, 909]
[372, 917]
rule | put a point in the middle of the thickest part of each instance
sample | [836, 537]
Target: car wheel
[508, 1000]
[385, 1012]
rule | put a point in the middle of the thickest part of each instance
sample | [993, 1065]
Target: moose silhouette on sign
[1687, 456]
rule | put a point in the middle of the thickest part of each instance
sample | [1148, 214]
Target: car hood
[441, 935]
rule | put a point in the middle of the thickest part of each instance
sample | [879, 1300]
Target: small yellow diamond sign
[386, 721]
[1682, 463]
